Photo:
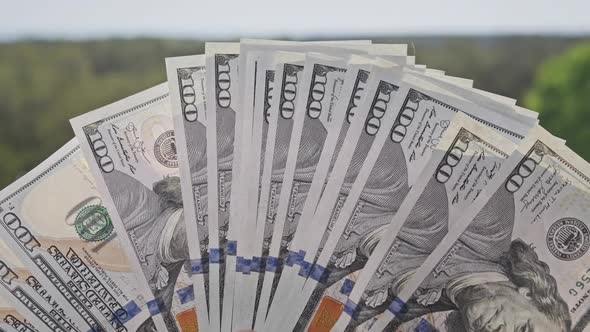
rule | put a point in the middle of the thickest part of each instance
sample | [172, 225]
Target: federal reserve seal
[165, 149]
[93, 223]
[568, 239]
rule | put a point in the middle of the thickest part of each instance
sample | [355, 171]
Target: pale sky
[230, 19]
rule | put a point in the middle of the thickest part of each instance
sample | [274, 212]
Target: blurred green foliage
[45, 83]
[561, 95]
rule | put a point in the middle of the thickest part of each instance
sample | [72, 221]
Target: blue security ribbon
[295, 258]
[186, 294]
[153, 307]
[398, 307]
[319, 273]
[305, 269]
[272, 264]
[131, 310]
[243, 265]
[216, 256]
[232, 248]
[351, 309]
[199, 266]
[347, 286]
[256, 265]
[292, 258]
[301, 257]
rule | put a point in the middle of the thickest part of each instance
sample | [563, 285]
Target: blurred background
[61, 59]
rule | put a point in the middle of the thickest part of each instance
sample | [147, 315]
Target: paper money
[462, 164]
[288, 72]
[310, 241]
[239, 209]
[25, 305]
[317, 225]
[391, 167]
[241, 312]
[261, 52]
[375, 109]
[223, 90]
[517, 257]
[131, 150]
[252, 53]
[72, 241]
[186, 81]
[357, 107]
[331, 185]
[340, 116]
[265, 72]
[313, 120]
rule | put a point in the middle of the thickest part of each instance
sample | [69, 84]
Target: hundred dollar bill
[517, 259]
[405, 129]
[339, 110]
[252, 53]
[334, 141]
[261, 65]
[222, 101]
[25, 305]
[367, 99]
[468, 157]
[186, 81]
[287, 75]
[70, 241]
[270, 197]
[257, 146]
[322, 79]
[306, 241]
[353, 105]
[316, 128]
[131, 150]
[348, 136]
[237, 296]
[262, 118]
[238, 211]
[335, 48]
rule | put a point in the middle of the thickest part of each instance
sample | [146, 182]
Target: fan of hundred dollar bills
[301, 186]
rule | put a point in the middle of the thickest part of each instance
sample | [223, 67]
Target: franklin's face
[502, 307]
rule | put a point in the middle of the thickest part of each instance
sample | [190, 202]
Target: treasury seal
[165, 149]
[93, 223]
[568, 239]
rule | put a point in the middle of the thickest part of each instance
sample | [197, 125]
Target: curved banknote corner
[40, 309]
[11, 318]
[70, 240]
[131, 150]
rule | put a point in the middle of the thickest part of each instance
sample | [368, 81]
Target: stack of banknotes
[301, 186]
